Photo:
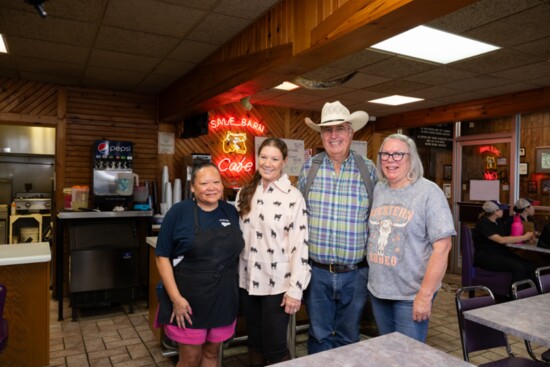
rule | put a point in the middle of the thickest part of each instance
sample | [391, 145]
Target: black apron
[208, 277]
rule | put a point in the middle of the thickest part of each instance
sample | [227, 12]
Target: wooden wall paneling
[535, 132]
[99, 114]
[27, 310]
[28, 98]
[28, 103]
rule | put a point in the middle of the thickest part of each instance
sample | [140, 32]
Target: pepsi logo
[103, 148]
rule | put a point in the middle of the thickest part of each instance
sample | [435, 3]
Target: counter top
[151, 241]
[25, 253]
[94, 214]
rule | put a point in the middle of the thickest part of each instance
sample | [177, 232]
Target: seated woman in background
[525, 211]
[490, 239]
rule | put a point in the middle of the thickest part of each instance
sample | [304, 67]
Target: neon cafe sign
[235, 159]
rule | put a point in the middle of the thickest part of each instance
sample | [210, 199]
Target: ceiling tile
[89, 11]
[532, 22]
[481, 13]
[398, 67]
[476, 83]
[138, 43]
[173, 68]
[151, 16]
[244, 8]
[539, 48]
[31, 65]
[442, 74]
[397, 86]
[192, 51]
[47, 50]
[508, 88]
[361, 59]
[30, 25]
[217, 29]
[154, 84]
[526, 72]
[123, 61]
[112, 78]
[51, 78]
[499, 60]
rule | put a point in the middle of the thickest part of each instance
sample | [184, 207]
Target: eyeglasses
[340, 130]
[396, 156]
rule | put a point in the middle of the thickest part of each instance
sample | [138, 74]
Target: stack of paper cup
[165, 178]
[168, 194]
[177, 191]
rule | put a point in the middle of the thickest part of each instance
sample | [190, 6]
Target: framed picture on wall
[522, 152]
[447, 172]
[543, 160]
[545, 187]
[532, 187]
[523, 169]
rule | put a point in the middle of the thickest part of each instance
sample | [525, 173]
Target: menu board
[295, 154]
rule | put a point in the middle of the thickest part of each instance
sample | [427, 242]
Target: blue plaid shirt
[338, 211]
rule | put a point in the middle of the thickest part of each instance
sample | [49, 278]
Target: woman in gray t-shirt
[410, 230]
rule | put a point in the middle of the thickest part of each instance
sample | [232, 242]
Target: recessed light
[286, 86]
[396, 100]
[3, 48]
[434, 45]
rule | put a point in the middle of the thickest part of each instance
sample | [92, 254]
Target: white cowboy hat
[336, 113]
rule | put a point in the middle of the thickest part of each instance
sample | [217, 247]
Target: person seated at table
[490, 238]
[525, 211]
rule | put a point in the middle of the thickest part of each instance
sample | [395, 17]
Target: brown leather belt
[336, 268]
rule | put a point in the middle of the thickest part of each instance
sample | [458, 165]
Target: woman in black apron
[197, 256]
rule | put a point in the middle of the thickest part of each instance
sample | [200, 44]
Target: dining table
[390, 350]
[526, 318]
[524, 246]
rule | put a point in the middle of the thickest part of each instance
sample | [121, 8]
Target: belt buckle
[331, 268]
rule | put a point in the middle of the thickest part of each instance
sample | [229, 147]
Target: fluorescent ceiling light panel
[396, 100]
[434, 45]
[3, 48]
[287, 86]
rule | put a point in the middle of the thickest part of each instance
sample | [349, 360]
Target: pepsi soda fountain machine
[113, 182]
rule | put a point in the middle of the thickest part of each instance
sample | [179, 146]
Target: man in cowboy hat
[338, 203]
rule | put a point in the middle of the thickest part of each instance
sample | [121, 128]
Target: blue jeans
[335, 303]
[391, 315]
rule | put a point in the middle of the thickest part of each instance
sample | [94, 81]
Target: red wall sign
[235, 159]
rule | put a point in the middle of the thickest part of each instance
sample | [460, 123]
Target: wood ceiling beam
[313, 43]
[505, 105]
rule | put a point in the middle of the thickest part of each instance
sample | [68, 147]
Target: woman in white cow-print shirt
[273, 267]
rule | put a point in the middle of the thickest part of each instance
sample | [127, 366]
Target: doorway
[484, 168]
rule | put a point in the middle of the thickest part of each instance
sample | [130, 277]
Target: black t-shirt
[177, 231]
[485, 229]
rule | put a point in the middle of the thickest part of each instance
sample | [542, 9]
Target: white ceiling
[145, 45]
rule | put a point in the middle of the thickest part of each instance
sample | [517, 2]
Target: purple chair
[498, 282]
[3, 321]
[523, 289]
[543, 278]
[476, 337]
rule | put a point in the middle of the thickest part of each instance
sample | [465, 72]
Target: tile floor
[110, 337]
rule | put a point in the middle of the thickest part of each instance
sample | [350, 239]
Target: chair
[476, 337]
[543, 278]
[498, 282]
[523, 289]
[3, 322]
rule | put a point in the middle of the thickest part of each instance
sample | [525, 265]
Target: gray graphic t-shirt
[403, 225]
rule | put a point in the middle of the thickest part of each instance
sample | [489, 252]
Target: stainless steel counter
[67, 219]
[94, 214]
